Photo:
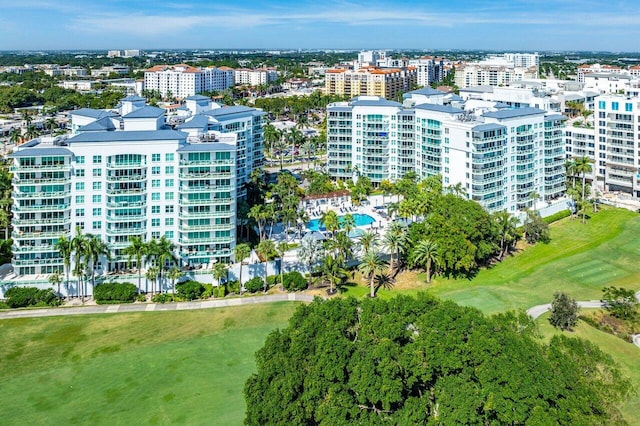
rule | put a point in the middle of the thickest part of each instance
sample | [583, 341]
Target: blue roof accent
[488, 126]
[453, 98]
[197, 122]
[41, 152]
[133, 98]
[382, 102]
[146, 112]
[440, 108]
[128, 136]
[513, 113]
[554, 117]
[207, 146]
[425, 91]
[98, 125]
[340, 108]
[236, 109]
[197, 98]
[93, 113]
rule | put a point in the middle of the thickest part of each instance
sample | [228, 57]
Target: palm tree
[348, 223]
[31, 132]
[368, 241]
[309, 252]
[281, 248]
[507, 227]
[426, 253]
[152, 275]
[333, 271]
[242, 251]
[164, 251]
[307, 148]
[271, 135]
[342, 244]
[266, 250]
[63, 245]
[370, 266]
[220, 272]
[51, 124]
[136, 250]
[174, 274]
[95, 248]
[583, 166]
[280, 145]
[150, 252]
[15, 136]
[570, 168]
[78, 246]
[56, 279]
[330, 221]
[391, 241]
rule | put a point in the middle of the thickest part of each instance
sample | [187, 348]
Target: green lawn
[581, 259]
[185, 367]
[626, 354]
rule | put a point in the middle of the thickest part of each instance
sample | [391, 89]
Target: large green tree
[410, 361]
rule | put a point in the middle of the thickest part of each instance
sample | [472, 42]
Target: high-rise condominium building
[504, 159]
[183, 80]
[124, 175]
[370, 81]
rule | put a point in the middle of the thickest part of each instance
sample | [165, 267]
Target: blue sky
[420, 24]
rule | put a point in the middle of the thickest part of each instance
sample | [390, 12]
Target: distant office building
[183, 80]
[429, 69]
[253, 77]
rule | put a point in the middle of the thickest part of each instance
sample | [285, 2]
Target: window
[97, 186]
[168, 209]
[79, 199]
[602, 105]
[155, 183]
[628, 107]
[155, 196]
[168, 183]
[97, 224]
[155, 157]
[97, 211]
[155, 209]
[155, 222]
[155, 235]
[97, 198]
[97, 172]
[168, 195]
[155, 170]
[169, 234]
[79, 186]
[168, 221]
[80, 172]
[97, 159]
[168, 170]
[168, 156]
[79, 212]
[80, 159]
[615, 106]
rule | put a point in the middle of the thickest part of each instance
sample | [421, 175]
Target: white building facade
[183, 80]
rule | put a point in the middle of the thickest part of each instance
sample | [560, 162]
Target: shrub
[21, 297]
[564, 312]
[141, 298]
[162, 298]
[294, 281]
[110, 293]
[233, 286]
[219, 291]
[209, 291]
[557, 216]
[190, 290]
[273, 280]
[254, 284]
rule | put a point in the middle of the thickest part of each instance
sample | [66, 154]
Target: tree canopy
[424, 361]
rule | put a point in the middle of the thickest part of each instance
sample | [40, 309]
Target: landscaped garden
[190, 367]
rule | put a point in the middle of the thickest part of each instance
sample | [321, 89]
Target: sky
[516, 25]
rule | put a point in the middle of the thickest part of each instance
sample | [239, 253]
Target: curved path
[537, 311]
[154, 307]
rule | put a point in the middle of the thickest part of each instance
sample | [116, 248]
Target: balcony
[29, 262]
[209, 201]
[41, 168]
[126, 231]
[129, 178]
[206, 240]
[205, 188]
[40, 181]
[132, 218]
[127, 165]
[39, 248]
[126, 191]
[34, 235]
[40, 195]
[126, 204]
[41, 208]
[195, 215]
[206, 175]
[227, 162]
[210, 227]
[55, 221]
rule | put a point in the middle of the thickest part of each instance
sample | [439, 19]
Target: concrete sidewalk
[154, 307]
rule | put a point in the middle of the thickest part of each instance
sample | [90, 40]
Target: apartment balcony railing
[195, 215]
[40, 181]
[126, 191]
[208, 201]
[210, 227]
[205, 240]
[54, 221]
[41, 208]
[132, 218]
[32, 235]
[125, 231]
[127, 165]
[128, 178]
[206, 188]
[41, 168]
[40, 194]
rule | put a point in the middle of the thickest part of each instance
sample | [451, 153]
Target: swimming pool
[361, 220]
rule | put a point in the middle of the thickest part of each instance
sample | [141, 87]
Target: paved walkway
[537, 311]
[154, 307]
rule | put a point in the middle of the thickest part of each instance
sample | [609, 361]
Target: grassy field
[184, 367]
[626, 354]
[581, 259]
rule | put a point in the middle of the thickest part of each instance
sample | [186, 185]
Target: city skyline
[477, 24]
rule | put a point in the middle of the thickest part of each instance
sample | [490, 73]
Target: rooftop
[39, 152]
[207, 146]
[440, 108]
[128, 136]
[146, 112]
[514, 113]
[92, 113]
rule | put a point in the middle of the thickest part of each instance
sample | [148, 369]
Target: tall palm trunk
[584, 184]
[428, 271]
[372, 292]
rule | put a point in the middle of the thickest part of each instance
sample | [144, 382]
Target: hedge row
[113, 293]
[557, 216]
[22, 297]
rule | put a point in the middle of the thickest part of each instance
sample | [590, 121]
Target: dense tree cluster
[423, 361]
